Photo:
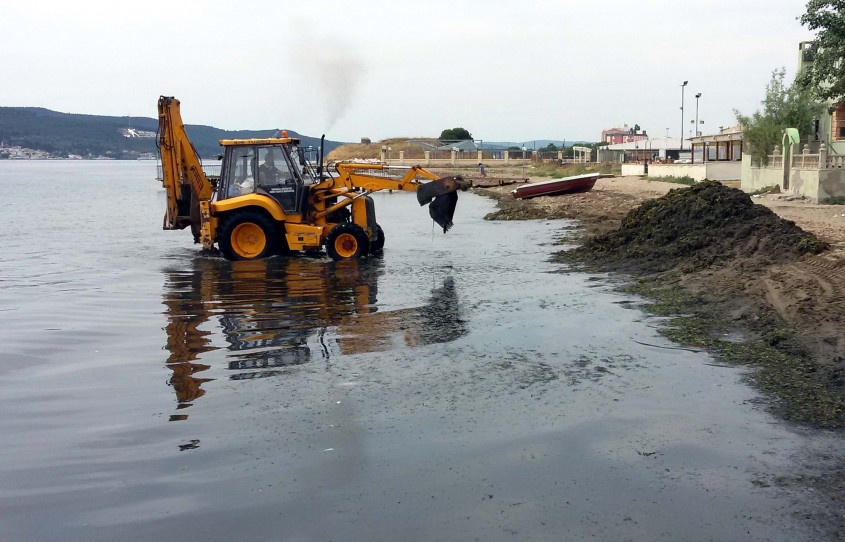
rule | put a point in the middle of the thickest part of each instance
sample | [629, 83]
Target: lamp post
[683, 86]
[697, 96]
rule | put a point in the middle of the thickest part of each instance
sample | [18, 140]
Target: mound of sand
[700, 226]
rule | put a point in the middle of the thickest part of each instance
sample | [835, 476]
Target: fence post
[402, 157]
[427, 158]
[507, 156]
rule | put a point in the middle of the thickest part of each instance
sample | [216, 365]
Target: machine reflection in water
[267, 310]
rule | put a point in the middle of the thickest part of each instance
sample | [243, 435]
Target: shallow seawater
[455, 388]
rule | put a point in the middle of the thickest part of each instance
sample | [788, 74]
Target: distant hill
[62, 134]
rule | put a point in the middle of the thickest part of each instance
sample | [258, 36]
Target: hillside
[62, 134]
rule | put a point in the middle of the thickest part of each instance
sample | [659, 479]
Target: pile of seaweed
[696, 227]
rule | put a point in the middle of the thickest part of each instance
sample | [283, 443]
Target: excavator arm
[441, 192]
[188, 189]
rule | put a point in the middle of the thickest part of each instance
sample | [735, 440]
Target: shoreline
[782, 319]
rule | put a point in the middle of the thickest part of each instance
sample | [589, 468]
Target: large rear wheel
[347, 241]
[248, 235]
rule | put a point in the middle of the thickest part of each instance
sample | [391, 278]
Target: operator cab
[275, 167]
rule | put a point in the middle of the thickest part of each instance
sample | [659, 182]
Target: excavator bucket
[443, 196]
[441, 186]
[442, 209]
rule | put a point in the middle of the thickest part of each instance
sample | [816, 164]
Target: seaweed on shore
[707, 227]
[805, 391]
[510, 208]
[695, 227]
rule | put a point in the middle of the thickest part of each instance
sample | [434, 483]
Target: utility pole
[683, 86]
[697, 96]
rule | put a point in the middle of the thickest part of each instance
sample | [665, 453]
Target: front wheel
[247, 235]
[347, 241]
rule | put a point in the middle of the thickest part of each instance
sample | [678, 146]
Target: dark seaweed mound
[700, 226]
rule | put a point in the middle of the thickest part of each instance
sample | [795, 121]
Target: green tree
[455, 134]
[783, 107]
[825, 77]
[551, 147]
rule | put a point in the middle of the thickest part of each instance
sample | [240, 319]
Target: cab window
[297, 156]
[241, 173]
[273, 169]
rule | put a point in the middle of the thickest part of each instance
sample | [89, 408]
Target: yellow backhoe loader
[268, 199]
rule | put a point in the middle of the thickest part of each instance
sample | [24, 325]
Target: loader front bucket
[443, 195]
[442, 209]
[441, 186]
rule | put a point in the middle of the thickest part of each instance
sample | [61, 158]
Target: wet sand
[809, 295]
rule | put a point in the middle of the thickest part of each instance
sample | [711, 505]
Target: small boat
[567, 185]
[488, 183]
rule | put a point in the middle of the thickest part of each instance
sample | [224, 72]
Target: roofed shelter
[726, 146]
[722, 164]
[581, 155]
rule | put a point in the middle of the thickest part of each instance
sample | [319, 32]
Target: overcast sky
[504, 70]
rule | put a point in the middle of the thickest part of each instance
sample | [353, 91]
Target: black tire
[377, 244]
[249, 235]
[347, 242]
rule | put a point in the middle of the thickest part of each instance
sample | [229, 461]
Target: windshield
[306, 168]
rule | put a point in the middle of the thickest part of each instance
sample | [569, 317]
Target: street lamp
[697, 96]
[683, 86]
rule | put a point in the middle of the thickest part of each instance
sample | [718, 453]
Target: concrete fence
[455, 158]
[715, 171]
[816, 176]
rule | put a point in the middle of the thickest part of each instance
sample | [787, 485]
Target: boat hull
[567, 185]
